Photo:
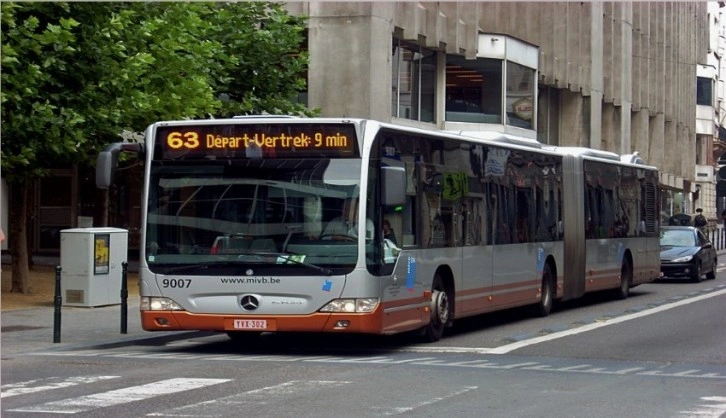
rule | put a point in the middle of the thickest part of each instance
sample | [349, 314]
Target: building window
[520, 95]
[473, 90]
[414, 81]
[704, 91]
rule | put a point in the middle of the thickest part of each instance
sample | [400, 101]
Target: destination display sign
[273, 140]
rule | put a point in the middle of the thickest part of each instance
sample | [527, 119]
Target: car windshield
[677, 238]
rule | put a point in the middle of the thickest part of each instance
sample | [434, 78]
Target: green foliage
[75, 75]
[35, 122]
[263, 64]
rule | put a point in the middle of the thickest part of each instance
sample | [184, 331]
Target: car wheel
[711, 275]
[697, 273]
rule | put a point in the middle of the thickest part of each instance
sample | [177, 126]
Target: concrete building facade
[613, 76]
[716, 62]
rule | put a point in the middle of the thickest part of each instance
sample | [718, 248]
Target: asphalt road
[658, 353]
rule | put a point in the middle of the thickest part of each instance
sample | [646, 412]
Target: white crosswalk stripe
[120, 396]
[221, 406]
[712, 407]
[39, 385]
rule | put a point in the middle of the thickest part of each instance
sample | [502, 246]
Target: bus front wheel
[440, 310]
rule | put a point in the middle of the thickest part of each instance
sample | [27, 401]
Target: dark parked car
[686, 252]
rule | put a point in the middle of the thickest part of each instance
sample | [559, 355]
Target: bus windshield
[266, 215]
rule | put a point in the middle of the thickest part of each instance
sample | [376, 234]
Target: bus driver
[346, 225]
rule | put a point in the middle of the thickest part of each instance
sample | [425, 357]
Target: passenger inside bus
[388, 232]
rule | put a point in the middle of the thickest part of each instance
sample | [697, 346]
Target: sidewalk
[28, 330]
[35, 328]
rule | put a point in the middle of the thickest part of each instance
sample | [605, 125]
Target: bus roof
[488, 136]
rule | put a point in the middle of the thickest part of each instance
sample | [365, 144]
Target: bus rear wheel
[626, 277]
[440, 311]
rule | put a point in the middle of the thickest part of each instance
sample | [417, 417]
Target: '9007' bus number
[177, 283]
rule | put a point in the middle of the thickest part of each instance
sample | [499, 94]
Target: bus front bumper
[369, 323]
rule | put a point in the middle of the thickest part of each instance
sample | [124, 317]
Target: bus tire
[440, 311]
[544, 306]
[626, 277]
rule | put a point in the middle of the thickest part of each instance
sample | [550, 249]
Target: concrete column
[656, 65]
[573, 39]
[571, 120]
[596, 76]
[608, 127]
[656, 134]
[686, 152]
[350, 71]
[623, 74]
[671, 162]
[639, 125]
[607, 53]
[547, 42]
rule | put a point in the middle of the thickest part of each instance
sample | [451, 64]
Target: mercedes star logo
[249, 303]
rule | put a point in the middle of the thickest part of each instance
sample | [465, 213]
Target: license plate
[250, 324]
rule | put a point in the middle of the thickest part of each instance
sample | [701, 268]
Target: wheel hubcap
[441, 306]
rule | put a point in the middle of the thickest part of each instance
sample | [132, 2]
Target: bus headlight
[158, 304]
[362, 305]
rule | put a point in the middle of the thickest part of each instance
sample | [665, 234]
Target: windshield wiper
[190, 267]
[289, 257]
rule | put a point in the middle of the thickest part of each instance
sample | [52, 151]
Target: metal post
[57, 306]
[124, 297]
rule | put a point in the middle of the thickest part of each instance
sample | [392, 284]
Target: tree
[76, 75]
[263, 67]
[33, 123]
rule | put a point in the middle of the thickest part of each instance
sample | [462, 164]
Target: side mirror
[393, 185]
[107, 160]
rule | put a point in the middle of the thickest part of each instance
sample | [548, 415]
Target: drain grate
[15, 328]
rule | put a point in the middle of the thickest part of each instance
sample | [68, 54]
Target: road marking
[256, 397]
[48, 383]
[589, 327]
[120, 396]
[708, 410]
[404, 409]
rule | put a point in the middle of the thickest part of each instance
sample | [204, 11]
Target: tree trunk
[30, 221]
[19, 234]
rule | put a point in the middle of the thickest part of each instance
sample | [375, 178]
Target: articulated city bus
[255, 225]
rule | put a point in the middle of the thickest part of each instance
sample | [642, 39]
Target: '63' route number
[176, 140]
